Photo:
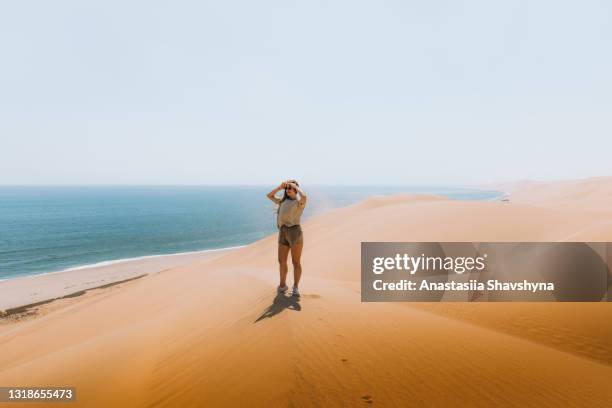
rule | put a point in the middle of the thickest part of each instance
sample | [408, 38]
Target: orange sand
[212, 334]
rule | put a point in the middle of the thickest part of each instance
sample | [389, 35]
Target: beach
[27, 290]
[207, 329]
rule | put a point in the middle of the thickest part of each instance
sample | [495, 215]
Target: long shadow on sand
[280, 303]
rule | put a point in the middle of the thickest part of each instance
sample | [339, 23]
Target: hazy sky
[356, 92]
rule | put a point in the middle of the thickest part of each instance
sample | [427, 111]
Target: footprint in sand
[367, 399]
[344, 360]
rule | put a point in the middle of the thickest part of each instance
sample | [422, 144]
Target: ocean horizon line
[483, 187]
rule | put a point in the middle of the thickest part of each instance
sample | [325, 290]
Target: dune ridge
[213, 333]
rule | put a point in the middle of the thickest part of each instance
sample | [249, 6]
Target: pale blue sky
[333, 92]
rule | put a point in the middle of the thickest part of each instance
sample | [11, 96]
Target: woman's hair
[285, 197]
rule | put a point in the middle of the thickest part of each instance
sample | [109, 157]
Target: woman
[290, 237]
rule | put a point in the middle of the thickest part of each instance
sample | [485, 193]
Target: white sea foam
[122, 260]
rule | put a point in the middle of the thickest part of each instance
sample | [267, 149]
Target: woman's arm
[303, 196]
[271, 195]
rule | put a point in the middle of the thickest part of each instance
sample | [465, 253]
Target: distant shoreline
[118, 261]
[36, 288]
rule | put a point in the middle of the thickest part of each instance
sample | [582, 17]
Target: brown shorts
[290, 236]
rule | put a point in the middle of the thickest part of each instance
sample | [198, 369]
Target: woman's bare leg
[296, 255]
[283, 254]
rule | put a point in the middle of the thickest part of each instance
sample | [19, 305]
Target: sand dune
[593, 194]
[213, 333]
